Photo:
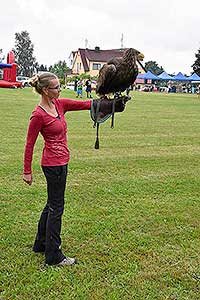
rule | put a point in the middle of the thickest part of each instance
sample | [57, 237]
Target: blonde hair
[38, 82]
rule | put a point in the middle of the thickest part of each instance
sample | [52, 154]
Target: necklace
[51, 113]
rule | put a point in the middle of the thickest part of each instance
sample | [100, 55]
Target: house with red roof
[91, 60]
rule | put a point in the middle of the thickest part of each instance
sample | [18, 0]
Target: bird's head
[133, 54]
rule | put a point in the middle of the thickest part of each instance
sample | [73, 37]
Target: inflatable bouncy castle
[9, 73]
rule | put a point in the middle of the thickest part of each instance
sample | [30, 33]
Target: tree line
[28, 65]
[26, 61]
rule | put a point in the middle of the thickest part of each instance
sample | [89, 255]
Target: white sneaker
[67, 261]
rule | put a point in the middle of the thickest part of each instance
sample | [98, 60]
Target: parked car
[147, 88]
[70, 86]
[94, 83]
[24, 80]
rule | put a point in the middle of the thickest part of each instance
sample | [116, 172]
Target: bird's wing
[115, 61]
[106, 74]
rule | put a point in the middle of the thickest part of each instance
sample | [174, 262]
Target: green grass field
[132, 214]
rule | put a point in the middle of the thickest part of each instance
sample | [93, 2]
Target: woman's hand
[28, 178]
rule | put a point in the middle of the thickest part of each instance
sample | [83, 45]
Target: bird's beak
[140, 56]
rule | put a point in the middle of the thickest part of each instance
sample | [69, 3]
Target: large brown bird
[119, 73]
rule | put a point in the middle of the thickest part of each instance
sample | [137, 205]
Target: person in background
[88, 88]
[193, 89]
[128, 90]
[48, 119]
[75, 84]
[79, 89]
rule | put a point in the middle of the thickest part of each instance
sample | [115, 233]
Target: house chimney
[97, 48]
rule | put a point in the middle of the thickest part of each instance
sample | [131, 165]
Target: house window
[78, 67]
[96, 66]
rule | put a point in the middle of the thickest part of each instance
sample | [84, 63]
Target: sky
[164, 31]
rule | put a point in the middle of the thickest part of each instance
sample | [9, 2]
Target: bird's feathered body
[119, 73]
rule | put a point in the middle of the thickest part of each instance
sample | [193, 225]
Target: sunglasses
[55, 88]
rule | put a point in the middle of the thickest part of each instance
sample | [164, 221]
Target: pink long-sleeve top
[54, 132]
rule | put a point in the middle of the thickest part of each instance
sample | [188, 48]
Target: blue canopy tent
[5, 65]
[147, 76]
[165, 76]
[180, 77]
[194, 77]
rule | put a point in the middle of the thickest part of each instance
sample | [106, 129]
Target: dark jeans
[49, 227]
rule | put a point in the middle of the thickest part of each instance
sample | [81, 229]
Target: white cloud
[165, 31]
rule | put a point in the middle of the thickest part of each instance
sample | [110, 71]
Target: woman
[48, 119]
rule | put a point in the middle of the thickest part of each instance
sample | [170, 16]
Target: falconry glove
[103, 108]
